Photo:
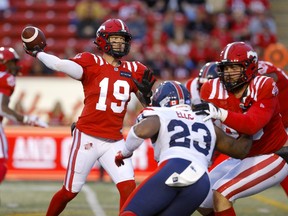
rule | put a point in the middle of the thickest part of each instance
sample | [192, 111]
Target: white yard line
[93, 202]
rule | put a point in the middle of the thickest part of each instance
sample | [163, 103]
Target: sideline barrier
[42, 154]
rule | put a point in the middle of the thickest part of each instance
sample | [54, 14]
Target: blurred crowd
[174, 37]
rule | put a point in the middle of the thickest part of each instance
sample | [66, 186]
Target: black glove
[145, 87]
[72, 127]
[148, 81]
[199, 109]
[33, 52]
[283, 152]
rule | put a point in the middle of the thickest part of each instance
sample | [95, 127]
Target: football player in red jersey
[266, 68]
[281, 79]
[8, 72]
[108, 83]
[249, 105]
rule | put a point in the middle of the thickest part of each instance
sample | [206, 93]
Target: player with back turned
[9, 69]
[107, 83]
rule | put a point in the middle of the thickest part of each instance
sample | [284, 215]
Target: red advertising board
[42, 154]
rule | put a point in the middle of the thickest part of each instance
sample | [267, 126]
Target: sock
[125, 188]
[284, 185]
[127, 213]
[228, 212]
[3, 169]
[59, 201]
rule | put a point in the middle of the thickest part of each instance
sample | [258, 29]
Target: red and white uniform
[98, 134]
[266, 68]
[107, 91]
[261, 169]
[7, 85]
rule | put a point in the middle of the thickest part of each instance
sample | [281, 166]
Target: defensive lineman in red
[107, 83]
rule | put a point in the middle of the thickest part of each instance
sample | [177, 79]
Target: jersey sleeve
[259, 114]
[138, 74]
[84, 59]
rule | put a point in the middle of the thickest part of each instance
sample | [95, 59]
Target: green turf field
[22, 198]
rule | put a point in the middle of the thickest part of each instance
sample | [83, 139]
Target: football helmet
[8, 60]
[208, 71]
[241, 54]
[113, 27]
[171, 93]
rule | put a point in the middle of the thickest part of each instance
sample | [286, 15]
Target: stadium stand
[53, 17]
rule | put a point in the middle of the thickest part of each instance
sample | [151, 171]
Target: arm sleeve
[255, 119]
[68, 67]
[132, 142]
[5, 111]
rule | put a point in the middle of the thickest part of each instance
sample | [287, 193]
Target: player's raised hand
[119, 158]
[34, 121]
[148, 80]
[34, 51]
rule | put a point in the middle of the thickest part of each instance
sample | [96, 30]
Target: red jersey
[7, 85]
[106, 94]
[261, 107]
[267, 68]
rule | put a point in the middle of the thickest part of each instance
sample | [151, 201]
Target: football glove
[72, 127]
[34, 121]
[145, 87]
[211, 110]
[33, 52]
[283, 152]
[119, 158]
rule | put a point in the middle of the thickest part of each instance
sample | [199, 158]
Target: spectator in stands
[264, 38]
[89, 16]
[4, 5]
[240, 24]
[221, 32]
[260, 18]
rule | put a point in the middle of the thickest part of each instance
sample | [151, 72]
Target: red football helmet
[208, 71]
[8, 60]
[242, 54]
[113, 27]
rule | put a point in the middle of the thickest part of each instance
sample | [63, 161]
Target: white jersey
[182, 134]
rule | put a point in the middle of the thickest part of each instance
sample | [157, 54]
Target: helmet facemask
[119, 49]
[234, 79]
